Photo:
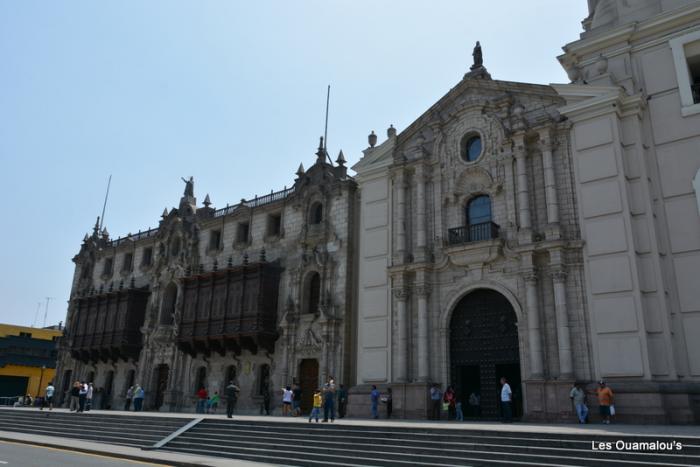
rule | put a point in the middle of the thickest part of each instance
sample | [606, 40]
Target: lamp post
[41, 380]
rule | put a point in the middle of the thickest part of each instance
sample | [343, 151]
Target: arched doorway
[308, 382]
[483, 348]
[161, 384]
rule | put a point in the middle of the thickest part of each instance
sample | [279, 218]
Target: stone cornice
[586, 101]
[627, 33]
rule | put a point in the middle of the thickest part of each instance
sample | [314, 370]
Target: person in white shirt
[48, 400]
[90, 392]
[506, 401]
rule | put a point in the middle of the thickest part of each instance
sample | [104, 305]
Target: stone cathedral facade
[257, 292]
[546, 233]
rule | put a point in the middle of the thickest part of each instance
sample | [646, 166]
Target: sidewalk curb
[106, 453]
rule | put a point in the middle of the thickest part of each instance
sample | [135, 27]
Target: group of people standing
[134, 394]
[81, 396]
[606, 408]
[450, 403]
[327, 397]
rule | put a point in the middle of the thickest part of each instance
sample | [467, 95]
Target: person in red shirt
[202, 397]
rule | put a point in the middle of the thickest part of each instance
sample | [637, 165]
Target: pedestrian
[287, 396]
[435, 401]
[48, 400]
[449, 399]
[459, 414]
[388, 399]
[316, 410]
[82, 396]
[231, 394]
[139, 395]
[296, 400]
[329, 400]
[578, 397]
[605, 401]
[127, 400]
[506, 401]
[474, 404]
[75, 397]
[374, 401]
[266, 401]
[342, 401]
[214, 402]
[202, 398]
[88, 397]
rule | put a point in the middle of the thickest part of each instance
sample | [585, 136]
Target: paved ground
[24, 455]
[573, 428]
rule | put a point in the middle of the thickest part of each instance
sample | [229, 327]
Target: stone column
[400, 186]
[563, 335]
[550, 187]
[420, 213]
[533, 326]
[423, 292]
[522, 189]
[401, 370]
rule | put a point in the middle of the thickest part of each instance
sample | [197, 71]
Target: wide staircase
[301, 444]
[135, 431]
[350, 445]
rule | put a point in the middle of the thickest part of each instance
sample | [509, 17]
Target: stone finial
[207, 201]
[321, 152]
[372, 139]
[96, 229]
[86, 238]
[341, 159]
[300, 170]
[165, 213]
[391, 131]
[105, 234]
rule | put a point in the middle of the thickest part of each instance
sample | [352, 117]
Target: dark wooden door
[308, 381]
[161, 385]
[484, 345]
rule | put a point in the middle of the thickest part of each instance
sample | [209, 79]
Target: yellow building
[27, 360]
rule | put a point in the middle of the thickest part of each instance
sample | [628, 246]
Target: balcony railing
[255, 202]
[473, 233]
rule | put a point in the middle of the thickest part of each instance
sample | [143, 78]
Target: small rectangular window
[242, 232]
[147, 259]
[25, 334]
[109, 264]
[274, 225]
[694, 71]
[214, 240]
[128, 263]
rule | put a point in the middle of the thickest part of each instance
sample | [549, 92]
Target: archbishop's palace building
[549, 234]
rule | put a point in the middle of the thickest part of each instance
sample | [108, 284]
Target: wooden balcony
[230, 309]
[107, 327]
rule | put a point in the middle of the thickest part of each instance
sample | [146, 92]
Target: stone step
[355, 457]
[197, 436]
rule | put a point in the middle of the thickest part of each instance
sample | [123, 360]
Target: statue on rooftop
[189, 187]
[478, 58]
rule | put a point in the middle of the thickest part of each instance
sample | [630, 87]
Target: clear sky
[230, 92]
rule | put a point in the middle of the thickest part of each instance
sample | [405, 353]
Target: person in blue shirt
[374, 399]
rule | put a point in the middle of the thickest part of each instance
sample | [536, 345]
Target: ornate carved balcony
[230, 309]
[108, 326]
[472, 233]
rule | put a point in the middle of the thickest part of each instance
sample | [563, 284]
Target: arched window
[316, 213]
[201, 379]
[313, 292]
[479, 218]
[471, 147]
[167, 309]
